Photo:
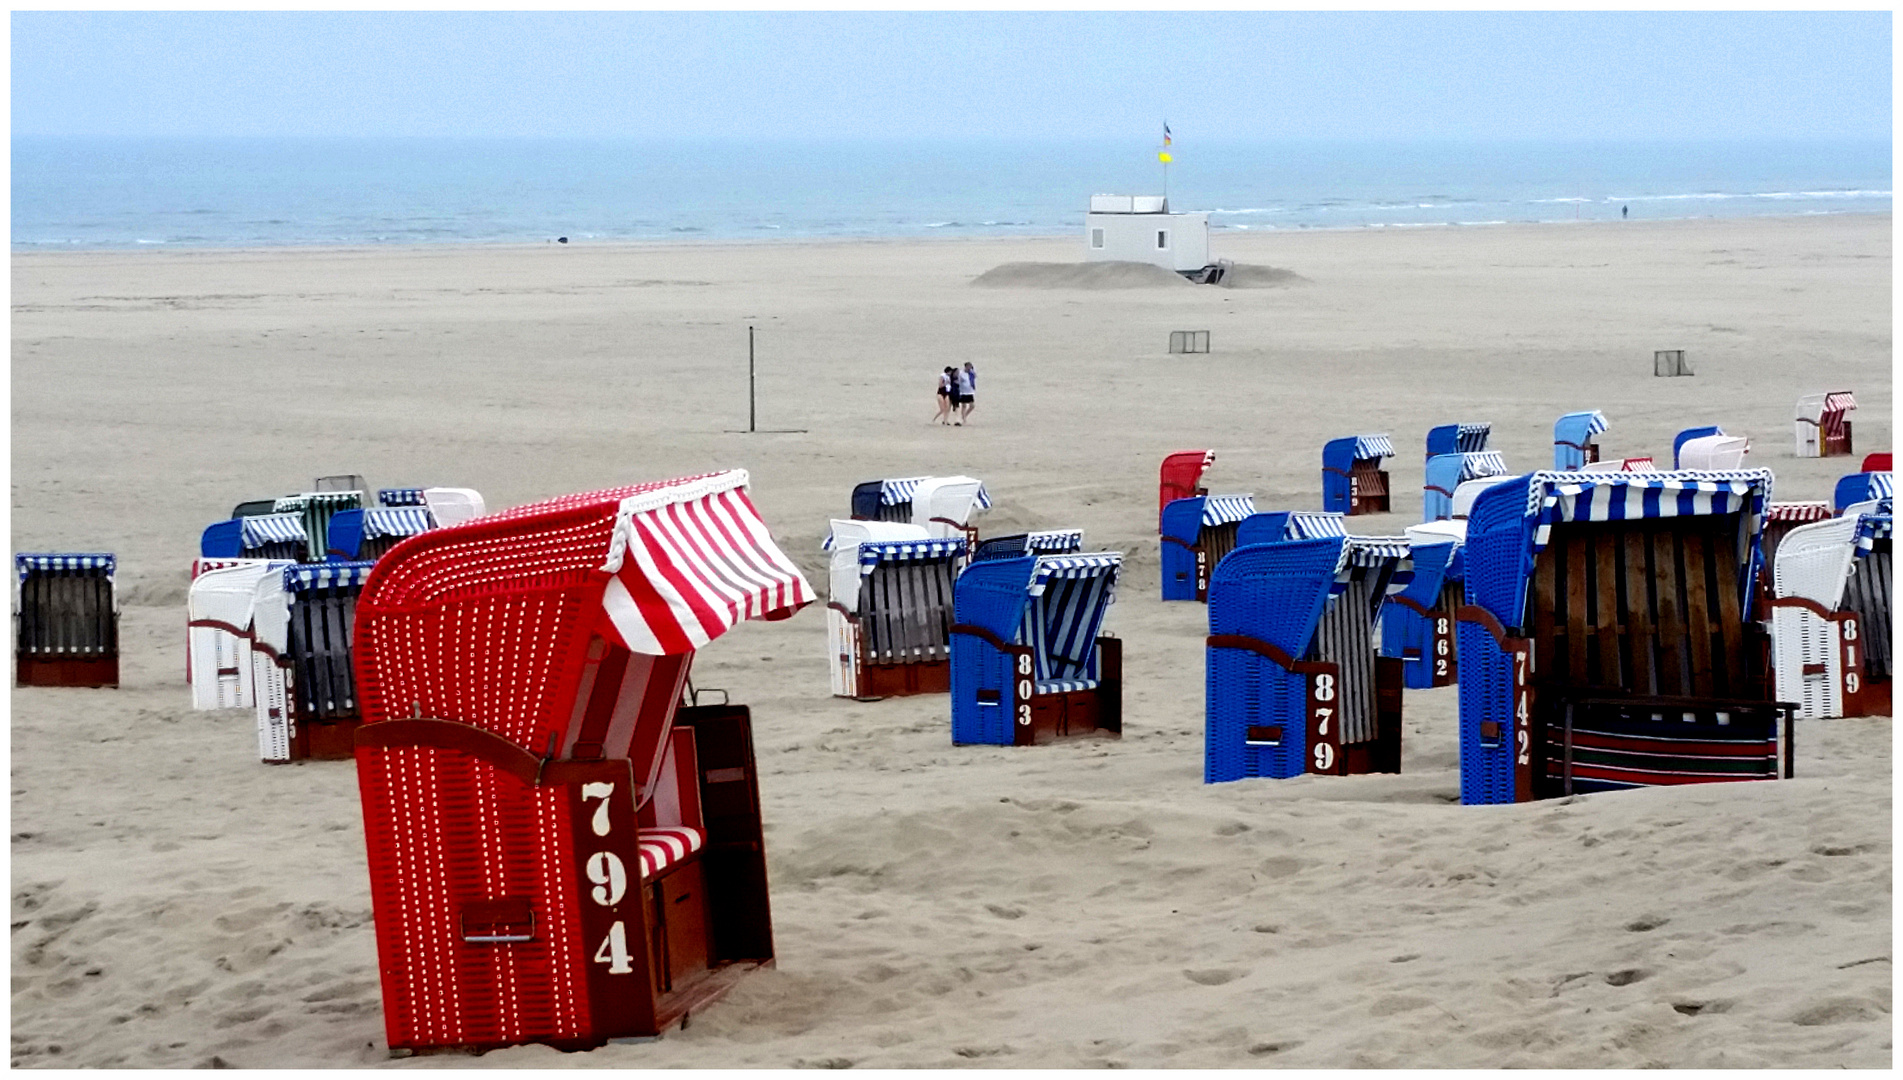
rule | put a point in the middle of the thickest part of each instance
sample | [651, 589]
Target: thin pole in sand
[750, 409]
[753, 412]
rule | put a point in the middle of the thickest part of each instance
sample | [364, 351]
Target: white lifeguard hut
[1140, 228]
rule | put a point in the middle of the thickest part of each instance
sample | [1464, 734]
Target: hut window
[1162, 239]
[1096, 238]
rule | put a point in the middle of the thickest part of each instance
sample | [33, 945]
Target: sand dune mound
[1093, 275]
[1241, 276]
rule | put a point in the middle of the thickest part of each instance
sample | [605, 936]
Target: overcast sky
[1217, 76]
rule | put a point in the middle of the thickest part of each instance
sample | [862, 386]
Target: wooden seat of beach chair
[65, 619]
[1444, 473]
[1197, 533]
[1029, 661]
[1830, 641]
[219, 628]
[367, 534]
[526, 757]
[1181, 477]
[1293, 681]
[1712, 452]
[1609, 615]
[1353, 481]
[890, 607]
[1417, 626]
[1457, 439]
[304, 687]
[1573, 444]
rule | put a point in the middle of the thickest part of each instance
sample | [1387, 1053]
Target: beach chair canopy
[1862, 487]
[350, 529]
[1341, 454]
[1712, 452]
[1181, 477]
[1815, 561]
[1184, 519]
[1683, 437]
[1572, 433]
[1469, 490]
[453, 506]
[487, 622]
[404, 496]
[1457, 439]
[878, 541]
[1055, 604]
[1631, 464]
[1040, 542]
[1446, 472]
[945, 505]
[1275, 526]
[1799, 512]
[238, 538]
[1512, 522]
[219, 627]
[871, 500]
[1879, 462]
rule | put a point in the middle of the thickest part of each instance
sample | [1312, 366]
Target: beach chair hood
[1275, 526]
[1683, 437]
[1181, 476]
[1571, 434]
[1862, 487]
[453, 506]
[945, 505]
[1457, 439]
[849, 538]
[1718, 451]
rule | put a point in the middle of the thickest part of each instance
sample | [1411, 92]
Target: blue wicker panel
[1497, 559]
[993, 594]
[865, 500]
[1403, 628]
[1444, 439]
[345, 534]
[1273, 592]
[1486, 693]
[1262, 528]
[1338, 454]
[1182, 519]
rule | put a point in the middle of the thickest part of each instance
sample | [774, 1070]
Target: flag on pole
[1164, 157]
[1166, 133]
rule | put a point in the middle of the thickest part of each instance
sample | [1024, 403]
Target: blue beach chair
[1457, 439]
[366, 534]
[1862, 487]
[260, 536]
[1293, 683]
[1275, 526]
[1573, 445]
[1446, 472]
[1608, 641]
[1028, 661]
[1417, 626]
[1197, 533]
[1353, 481]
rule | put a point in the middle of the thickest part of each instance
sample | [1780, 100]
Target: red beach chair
[560, 850]
[1182, 478]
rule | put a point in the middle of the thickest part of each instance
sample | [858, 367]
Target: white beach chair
[219, 630]
[945, 505]
[1814, 562]
[453, 506]
[1714, 452]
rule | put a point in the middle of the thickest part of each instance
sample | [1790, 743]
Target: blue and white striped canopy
[1373, 446]
[1087, 565]
[272, 528]
[1470, 438]
[400, 496]
[396, 521]
[1222, 509]
[893, 492]
[874, 552]
[27, 563]
[1057, 541]
[305, 576]
[1872, 527]
[1481, 464]
[1882, 485]
[1314, 524]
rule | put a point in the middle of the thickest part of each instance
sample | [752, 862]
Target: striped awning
[1372, 551]
[1882, 485]
[874, 552]
[893, 492]
[1840, 401]
[1480, 464]
[1799, 512]
[272, 528]
[1872, 527]
[1373, 446]
[400, 496]
[396, 521]
[1087, 565]
[306, 576]
[1587, 424]
[1056, 541]
[691, 558]
[1222, 509]
[1314, 524]
[1471, 438]
[291, 504]
[47, 562]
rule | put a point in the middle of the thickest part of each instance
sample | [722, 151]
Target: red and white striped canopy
[691, 558]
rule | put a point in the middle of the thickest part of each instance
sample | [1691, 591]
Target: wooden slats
[1868, 594]
[1606, 617]
[1574, 570]
[1636, 592]
[66, 613]
[905, 612]
[1698, 628]
[1345, 637]
[322, 681]
[1667, 581]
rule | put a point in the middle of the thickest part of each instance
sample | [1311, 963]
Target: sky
[1008, 76]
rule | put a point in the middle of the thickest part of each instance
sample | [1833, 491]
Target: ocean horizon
[134, 193]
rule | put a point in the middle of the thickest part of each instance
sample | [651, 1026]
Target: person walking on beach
[945, 385]
[1622, 212]
[967, 391]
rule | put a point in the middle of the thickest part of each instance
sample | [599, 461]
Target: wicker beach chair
[1779, 519]
[1878, 462]
[258, 536]
[1446, 472]
[1711, 452]
[1457, 439]
[561, 850]
[1293, 681]
[1197, 533]
[1417, 626]
[1181, 477]
[1862, 487]
[219, 628]
[65, 619]
[1830, 615]
[1029, 661]
[1353, 481]
[1573, 444]
[1821, 423]
[890, 610]
[1275, 526]
[367, 534]
[306, 700]
[1607, 641]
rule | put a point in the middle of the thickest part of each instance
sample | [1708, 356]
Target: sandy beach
[177, 904]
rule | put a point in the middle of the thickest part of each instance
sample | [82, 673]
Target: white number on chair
[1024, 714]
[1440, 665]
[1852, 682]
[610, 878]
[1324, 756]
[598, 791]
[1850, 629]
[1322, 713]
[1024, 663]
[1441, 646]
[1324, 687]
[1525, 738]
[614, 950]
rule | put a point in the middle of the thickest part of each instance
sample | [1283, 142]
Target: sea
[124, 193]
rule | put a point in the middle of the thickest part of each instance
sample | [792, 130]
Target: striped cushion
[1064, 686]
[663, 847]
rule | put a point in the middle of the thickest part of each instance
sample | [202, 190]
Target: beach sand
[175, 903]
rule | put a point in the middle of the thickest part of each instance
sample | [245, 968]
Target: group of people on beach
[957, 391]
